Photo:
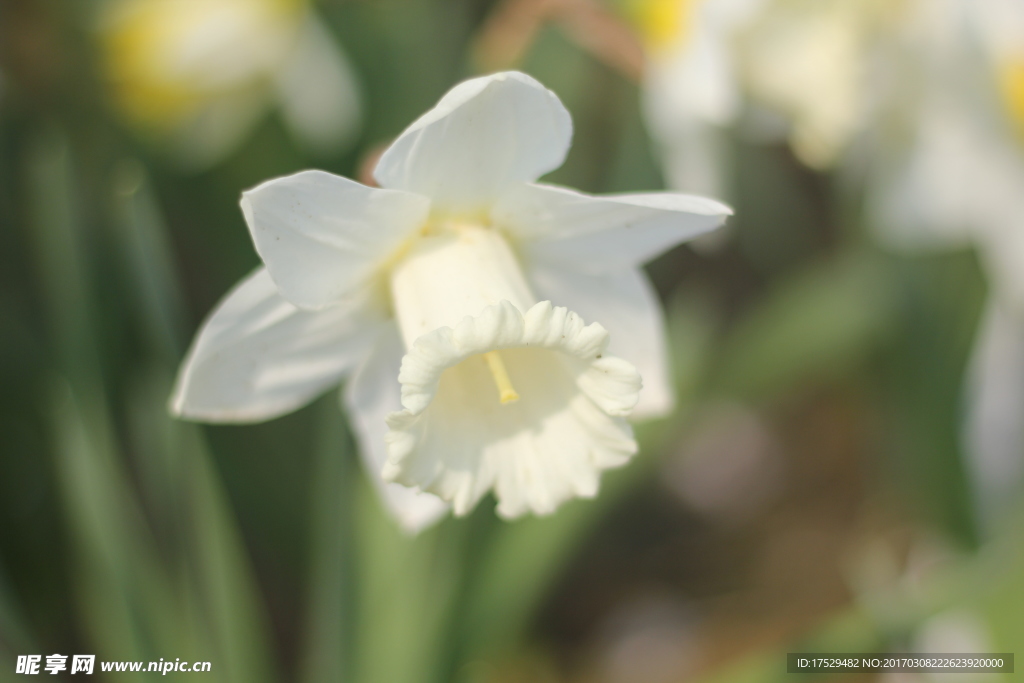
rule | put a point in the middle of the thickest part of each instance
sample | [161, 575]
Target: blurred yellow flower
[1012, 84]
[663, 23]
[166, 57]
[197, 74]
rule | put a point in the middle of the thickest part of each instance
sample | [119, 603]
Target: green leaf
[940, 301]
[817, 325]
[187, 592]
[141, 232]
[1001, 585]
[224, 587]
[328, 632]
[14, 635]
[407, 588]
[127, 601]
[216, 583]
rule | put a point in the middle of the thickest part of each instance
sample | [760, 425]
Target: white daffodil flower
[453, 263]
[196, 75]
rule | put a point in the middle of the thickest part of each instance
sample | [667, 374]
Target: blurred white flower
[955, 630]
[809, 60]
[196, 75]
[691, 86]
[994, 428]
[996, 123]
[994, 432]
[1002, 25]
[796, 69]
[454, 265]
[949, 173]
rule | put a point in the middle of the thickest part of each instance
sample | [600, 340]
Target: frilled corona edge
[457, 438]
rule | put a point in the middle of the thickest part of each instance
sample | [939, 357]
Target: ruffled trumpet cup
[460, 435]
[498, 391]
[440, 296]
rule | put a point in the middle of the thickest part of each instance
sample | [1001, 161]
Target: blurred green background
[812, 490]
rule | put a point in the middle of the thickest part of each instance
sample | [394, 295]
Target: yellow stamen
[506, 392]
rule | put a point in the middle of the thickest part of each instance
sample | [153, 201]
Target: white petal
[317, 90]
[597, 234]
[257, 356]
[485, 135]
[370, 396]
[456, 439]
[627, 306]
[322, 237]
